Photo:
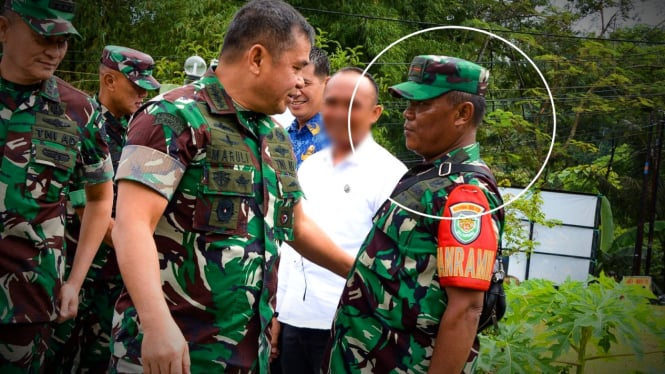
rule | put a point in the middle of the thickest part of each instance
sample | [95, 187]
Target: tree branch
[620, 355]
[566, 363]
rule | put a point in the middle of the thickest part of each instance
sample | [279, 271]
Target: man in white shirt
[343, 191]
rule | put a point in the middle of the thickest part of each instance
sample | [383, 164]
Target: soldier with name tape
[50, 138]
[207, 190]
[414, 296]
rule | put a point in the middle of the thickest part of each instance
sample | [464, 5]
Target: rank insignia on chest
[222, 178]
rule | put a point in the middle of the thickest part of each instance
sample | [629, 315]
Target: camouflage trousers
[81, 345]
[23, 347]
[210, 355]
[350, 355]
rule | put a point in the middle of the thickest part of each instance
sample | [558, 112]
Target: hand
[275, 328]
[164, 349]
[69, 302]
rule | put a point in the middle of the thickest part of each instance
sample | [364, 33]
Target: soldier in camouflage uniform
[412, 301]
[213, 177]
[82, 344]
[50, 138]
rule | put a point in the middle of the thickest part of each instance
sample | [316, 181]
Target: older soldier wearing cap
[125, 77]
[50, 138]
[207, 190]
[413, 299]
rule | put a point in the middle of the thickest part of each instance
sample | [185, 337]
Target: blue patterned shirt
[308, 140]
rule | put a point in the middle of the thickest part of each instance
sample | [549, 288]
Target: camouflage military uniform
[82, 344]
[50, 138]
[229, 177]
[389, 313]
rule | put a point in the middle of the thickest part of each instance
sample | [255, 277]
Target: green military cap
[135, 65]
[432, 76]
[46, 17]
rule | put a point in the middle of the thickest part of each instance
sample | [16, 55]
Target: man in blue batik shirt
[307, 131]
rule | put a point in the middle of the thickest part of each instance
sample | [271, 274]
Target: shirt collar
[358, 155]
[465, 154]
[220, 102]
[311, 124]
[49, 89]
[102, 108]
[106, 114]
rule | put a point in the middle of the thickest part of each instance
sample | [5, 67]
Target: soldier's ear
[4, 26]
[256, 57]
[108, 80]
[464, 113]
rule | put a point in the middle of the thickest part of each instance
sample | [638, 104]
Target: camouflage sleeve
[158, 149]
[97, 166]
[77, 198]
[76, 194]
[467, 240]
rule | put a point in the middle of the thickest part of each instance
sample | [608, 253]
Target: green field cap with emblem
[46, 17]
[135, 65]
[431, 76]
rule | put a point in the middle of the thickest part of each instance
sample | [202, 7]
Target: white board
[566, 250]
[564, 240]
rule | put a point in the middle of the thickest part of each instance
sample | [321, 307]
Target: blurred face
[308, 101]
[28, 57]
[120, 95]
[336, 100]
[281, 78]
[432, 127]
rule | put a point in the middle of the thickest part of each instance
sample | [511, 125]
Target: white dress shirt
[341, 199]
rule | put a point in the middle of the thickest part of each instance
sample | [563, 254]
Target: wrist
[74, 281]
[155, 320]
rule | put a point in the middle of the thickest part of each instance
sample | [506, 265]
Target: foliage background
[576, 327]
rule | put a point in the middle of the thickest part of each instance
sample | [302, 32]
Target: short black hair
[479, 104]
[319, 58]
[359, 71]
[271, 23]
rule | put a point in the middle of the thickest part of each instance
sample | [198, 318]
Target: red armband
[466, 246]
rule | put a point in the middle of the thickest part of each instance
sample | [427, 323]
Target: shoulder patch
[217, 97]
[465, 228]
[467, 245]
[175, 123]
[218, 101]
